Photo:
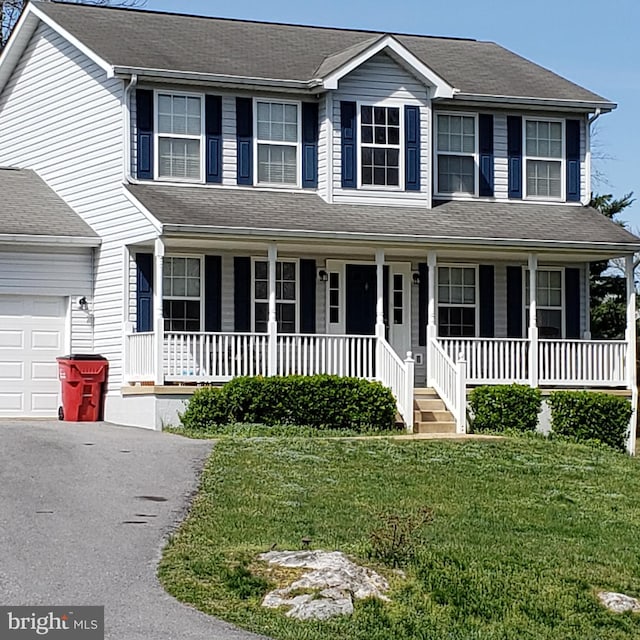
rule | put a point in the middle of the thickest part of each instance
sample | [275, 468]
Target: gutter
[24, 238]
[513, 243]
[591, 105]
[126, 129]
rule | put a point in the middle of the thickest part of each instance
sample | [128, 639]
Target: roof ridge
[373, 32]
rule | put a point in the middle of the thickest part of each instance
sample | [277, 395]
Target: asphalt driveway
[84, 512]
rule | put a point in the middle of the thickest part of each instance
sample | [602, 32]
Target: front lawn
[524, 532]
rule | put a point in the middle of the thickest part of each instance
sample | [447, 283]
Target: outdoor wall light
[416, 278]
[83, 304]
[323, 275]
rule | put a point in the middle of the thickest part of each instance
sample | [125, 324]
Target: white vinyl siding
[67, 116]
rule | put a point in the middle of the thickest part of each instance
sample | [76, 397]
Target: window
[398, 296]
[544, 158]
[334, 297]
[380, 146]
[181, 293]
[179, 145]
[457, 301]
[286, 296]
[277, 139]
[548, 302]
[456, 154]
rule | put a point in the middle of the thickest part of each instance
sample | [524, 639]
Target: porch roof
[269, 213]
[32, 212]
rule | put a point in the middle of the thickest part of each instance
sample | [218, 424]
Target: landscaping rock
[328, 589]
[619, 602]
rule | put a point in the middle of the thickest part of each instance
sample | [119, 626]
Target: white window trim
[200, 258]
[255, 259]
[457, 304]
[402, 145]
[525, 300]
[157, 135]
[561, 160]
[475, 155]
[297, 145]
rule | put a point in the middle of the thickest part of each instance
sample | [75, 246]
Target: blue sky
[592, 43]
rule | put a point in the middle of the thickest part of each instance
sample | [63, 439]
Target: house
[206, 198]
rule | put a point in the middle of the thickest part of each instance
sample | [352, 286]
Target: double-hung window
[180, 145]
[456, 154]
[181, 293]
[278, 142]
[544, 151]
[380, 149]
[457, 298]
[548, 302]
[286, 295]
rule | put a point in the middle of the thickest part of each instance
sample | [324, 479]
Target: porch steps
[430, 415]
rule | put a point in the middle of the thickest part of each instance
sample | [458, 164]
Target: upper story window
[544, 153]
[456, 154]
[380, 146]
[179, 148]
[278, 142]
[181, 293]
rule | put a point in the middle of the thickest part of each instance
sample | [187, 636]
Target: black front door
[360, 299]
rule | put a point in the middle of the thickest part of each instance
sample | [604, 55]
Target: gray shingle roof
[29, 207]
[190, 44]
[265, 210]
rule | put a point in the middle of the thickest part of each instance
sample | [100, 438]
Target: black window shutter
[242, 293]
[144, 292]
[423, 303]
[573, 159]
[572, 302]
[514, 153]
[213, 131]
[487, 296]
[349, 145]
[144, 136]
[485, 145]
[412, 148]
[307, 296]
[309, 145]
[514, 302]
[212, 293]
[244, 134]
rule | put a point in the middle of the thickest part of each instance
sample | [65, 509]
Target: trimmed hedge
[316, 401]
[505, 407]
[591, 416]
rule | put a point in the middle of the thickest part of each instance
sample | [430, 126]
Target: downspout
[590, 121]
[126, 128]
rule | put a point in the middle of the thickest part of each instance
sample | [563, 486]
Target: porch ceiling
[259, 213]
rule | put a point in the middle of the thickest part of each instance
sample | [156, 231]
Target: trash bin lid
[82, 356]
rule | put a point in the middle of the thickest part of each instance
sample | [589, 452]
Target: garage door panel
[12, 371]
[32, 330]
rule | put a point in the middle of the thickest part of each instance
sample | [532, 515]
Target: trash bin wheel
[60, 413]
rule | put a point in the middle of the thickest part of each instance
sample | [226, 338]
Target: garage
[32, 334]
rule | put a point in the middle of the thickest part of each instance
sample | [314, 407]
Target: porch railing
[139, 356]
[307, 355]
[399, 377]
[490, 360]
[214, 357]
[448, 378]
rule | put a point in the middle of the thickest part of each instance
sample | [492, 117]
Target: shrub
[504, 407]
[206, 410]
[587, 415]
[315, 401]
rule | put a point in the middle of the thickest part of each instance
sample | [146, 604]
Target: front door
[360, 302]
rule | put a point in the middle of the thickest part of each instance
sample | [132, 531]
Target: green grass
[524, 532]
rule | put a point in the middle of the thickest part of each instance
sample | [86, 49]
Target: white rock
[333, 582]
[619, 602]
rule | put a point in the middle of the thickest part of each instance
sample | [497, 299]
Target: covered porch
[406, 316]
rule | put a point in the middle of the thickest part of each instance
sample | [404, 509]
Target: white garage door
[32, 330]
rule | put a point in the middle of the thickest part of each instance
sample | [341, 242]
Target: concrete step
[432, 416]
[429, 404]
[429, 391]
[434, 427]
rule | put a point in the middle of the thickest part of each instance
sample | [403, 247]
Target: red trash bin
[82, 377]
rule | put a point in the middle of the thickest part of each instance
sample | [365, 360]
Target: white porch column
[272, 324]
[533, 320]
[432, 260]
[630, 336]
[380, 332]
[158, 256]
